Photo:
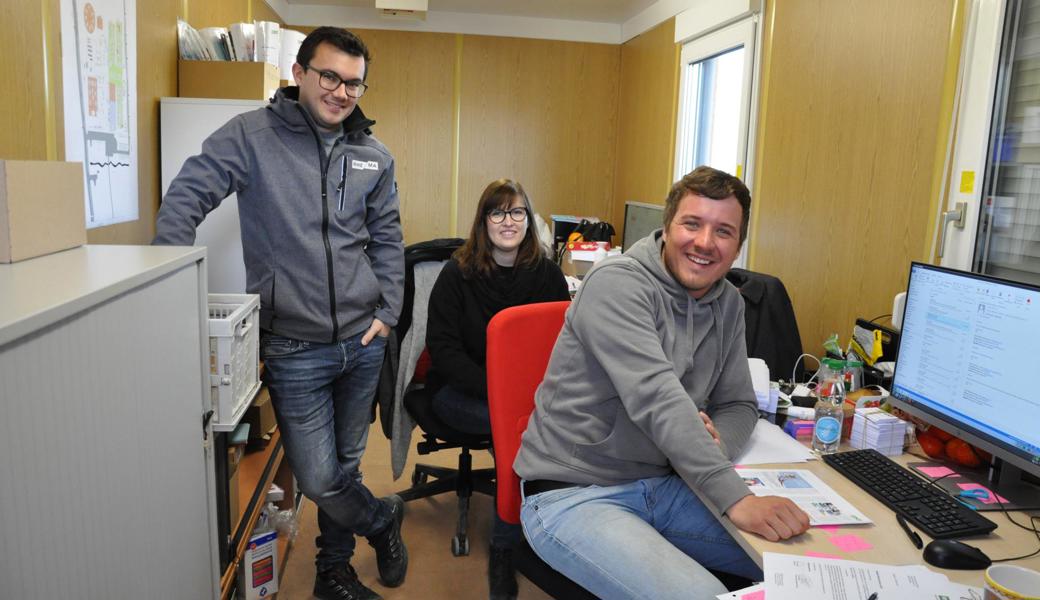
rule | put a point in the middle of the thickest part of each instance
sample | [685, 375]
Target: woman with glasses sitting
[500, 265]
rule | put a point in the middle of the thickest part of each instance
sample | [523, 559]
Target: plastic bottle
[830, 392]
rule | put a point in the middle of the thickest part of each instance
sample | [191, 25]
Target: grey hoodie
[321, 234]
[636, 360]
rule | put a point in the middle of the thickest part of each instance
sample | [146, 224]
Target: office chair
[519, 342]
[430, 480]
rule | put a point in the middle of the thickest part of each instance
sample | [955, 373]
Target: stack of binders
[877, 429]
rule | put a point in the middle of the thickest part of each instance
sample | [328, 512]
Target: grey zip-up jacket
[321, 234]
[636, 360]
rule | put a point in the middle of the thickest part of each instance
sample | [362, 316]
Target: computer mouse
[951, 554]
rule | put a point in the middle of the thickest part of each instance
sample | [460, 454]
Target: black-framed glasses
[518, 214]
[331, 82]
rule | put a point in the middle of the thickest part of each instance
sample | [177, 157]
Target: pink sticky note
[759, 595]
[850, 543]
[821, 555]
[829, 529]
[937, 472]
[989, 497]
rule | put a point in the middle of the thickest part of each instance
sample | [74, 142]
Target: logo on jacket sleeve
[364, 165]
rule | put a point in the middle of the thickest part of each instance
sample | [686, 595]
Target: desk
[891, 545]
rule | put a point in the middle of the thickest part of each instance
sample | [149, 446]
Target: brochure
[823, 505]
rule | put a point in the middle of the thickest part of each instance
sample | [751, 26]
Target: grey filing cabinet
[106, 468]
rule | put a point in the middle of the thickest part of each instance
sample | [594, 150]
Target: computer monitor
[640, 219]
[968, 364]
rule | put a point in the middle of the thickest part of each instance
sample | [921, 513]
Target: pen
[342, 178]
[910, 533]
[872, 596]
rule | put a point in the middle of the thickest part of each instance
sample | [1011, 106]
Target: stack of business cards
[877, 429]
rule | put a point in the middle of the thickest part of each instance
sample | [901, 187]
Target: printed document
[823, 505]
[769, 444]
[791, 577]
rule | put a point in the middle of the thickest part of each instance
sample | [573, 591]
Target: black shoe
[501, 574]
[391, 555]
[341, 583]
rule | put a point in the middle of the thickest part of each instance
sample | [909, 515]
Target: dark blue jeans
[322, 398]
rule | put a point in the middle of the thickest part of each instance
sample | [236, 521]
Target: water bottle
[830, 394]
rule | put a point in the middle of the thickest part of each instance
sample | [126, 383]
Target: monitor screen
[968, 360]
[640, 220]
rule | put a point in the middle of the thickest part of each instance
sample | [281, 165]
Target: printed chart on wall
[99, 66]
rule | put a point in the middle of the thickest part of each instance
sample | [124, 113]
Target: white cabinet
[106, 472]
[184, 123]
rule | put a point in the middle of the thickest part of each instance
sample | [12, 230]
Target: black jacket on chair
[771, 327]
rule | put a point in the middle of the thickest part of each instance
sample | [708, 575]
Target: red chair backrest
[519, 342]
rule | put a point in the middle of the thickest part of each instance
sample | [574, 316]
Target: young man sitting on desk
[646, 399]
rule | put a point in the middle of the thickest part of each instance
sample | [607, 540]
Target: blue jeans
[322, 397]
[651, 538]
[461, 411]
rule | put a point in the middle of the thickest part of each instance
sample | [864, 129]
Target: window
[998, 138]
[1007, 242]
[715, 97]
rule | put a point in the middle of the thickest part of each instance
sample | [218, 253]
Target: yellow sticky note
[740, 171]
[967, 181]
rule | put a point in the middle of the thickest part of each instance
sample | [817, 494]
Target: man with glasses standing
[321, 239]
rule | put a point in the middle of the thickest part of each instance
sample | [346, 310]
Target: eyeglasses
[518, 214]
[331, 82]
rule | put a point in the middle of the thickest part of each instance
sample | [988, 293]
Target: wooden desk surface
[890, 544]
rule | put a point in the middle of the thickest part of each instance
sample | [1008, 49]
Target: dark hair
[474, 256]
[338, 37]
[709, 183]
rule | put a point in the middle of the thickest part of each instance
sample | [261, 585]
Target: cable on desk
[794, 370]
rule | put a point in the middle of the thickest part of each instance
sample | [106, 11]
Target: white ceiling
[600, 11]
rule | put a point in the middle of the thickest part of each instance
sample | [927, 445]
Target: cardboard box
[234, 500]
[226, 79]
[41, 208]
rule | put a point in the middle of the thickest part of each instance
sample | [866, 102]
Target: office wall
[31, 115]
[541, 112]
[649, 94]
[852, 109]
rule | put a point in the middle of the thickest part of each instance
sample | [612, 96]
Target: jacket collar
[752, 288]
[285, 104]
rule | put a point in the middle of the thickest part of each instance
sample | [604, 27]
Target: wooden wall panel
[411, 100]
[218, 13]
[23, 133]
[846, 150]
[543, 113]
[646, 128]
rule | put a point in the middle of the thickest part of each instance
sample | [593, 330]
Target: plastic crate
[234, 347]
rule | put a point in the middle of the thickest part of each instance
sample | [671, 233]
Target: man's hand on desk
[771, 517]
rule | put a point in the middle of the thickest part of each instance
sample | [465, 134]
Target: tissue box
[260, 566]
[41, 208]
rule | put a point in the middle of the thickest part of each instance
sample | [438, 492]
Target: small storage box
[234, 347]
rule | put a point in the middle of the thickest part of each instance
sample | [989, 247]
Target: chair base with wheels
[430, 480]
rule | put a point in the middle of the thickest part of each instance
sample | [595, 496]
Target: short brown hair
[709, 183]
[339, 38]
[474, 256]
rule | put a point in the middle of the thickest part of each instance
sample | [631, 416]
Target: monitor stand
[1006, 481]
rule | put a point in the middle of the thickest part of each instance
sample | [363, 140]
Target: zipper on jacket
[325, 160]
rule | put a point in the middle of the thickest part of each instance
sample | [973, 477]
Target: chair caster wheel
[460, 546]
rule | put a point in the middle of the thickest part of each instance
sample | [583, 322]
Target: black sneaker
[341, 583]
[391, 555]
[501, 574]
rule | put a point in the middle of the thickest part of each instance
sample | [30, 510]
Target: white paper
[744, 594]
[791, 577]
[769, 444]
[823, 505]
[99, 77]
[291, 42]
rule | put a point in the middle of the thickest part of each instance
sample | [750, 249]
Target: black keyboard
[929, 508]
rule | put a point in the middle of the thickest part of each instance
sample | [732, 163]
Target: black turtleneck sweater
[460, 309]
